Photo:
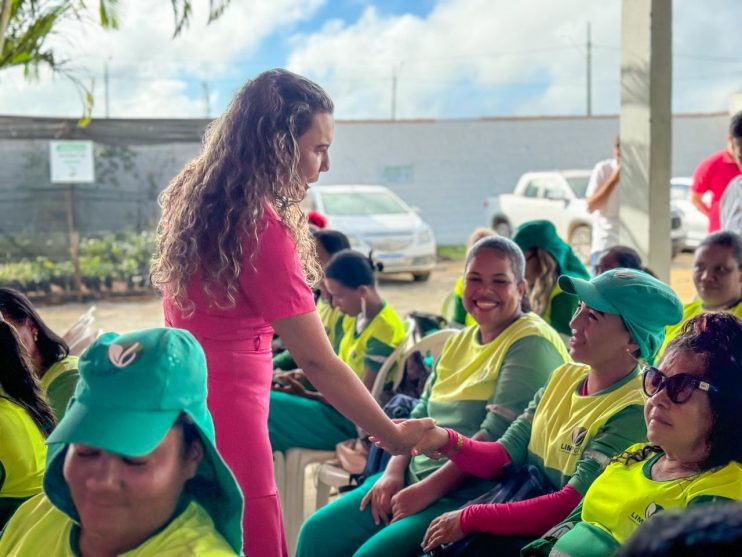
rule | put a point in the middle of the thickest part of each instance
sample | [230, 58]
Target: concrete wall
[445, 167]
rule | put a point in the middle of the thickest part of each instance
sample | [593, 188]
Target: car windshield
[361, 203]
[679, 192]
[578, 184]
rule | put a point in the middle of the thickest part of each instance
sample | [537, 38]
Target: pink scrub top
[237, 342]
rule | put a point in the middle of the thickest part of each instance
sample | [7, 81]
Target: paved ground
[400, 291]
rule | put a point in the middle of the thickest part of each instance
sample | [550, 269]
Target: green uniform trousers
[295, 421]
[341, 530]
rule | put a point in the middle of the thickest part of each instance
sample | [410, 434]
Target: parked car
[695, 223]
[558, 196]
[375, 219]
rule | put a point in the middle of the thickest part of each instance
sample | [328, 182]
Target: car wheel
[581, 239]
[421, 277]
[502, 227]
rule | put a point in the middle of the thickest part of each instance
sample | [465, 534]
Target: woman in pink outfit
[234, 260]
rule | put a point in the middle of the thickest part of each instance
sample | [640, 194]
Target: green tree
[26, 26]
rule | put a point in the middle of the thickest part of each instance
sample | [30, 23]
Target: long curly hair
[211, 211]
[544, 283]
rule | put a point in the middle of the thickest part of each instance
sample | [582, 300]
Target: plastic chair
[298, 459]
[81, 328]
[329, 475]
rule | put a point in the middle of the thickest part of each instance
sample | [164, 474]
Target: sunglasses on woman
[679, 387]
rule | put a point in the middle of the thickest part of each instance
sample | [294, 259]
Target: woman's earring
[36, 335]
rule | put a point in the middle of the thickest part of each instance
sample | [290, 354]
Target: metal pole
[394, 92]
[207, 102]
[105, 87]
[74, 237]
[589, 73]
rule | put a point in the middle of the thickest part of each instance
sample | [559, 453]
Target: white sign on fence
[71, 162]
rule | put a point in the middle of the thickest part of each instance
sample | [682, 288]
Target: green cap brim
[587, 292]
[121, 431]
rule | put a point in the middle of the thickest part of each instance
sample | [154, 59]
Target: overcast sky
[452, 58]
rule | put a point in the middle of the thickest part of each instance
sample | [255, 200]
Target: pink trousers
[239, 383]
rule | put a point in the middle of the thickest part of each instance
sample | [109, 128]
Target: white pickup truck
[557, 196]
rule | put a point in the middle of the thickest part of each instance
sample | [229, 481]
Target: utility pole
[589, 72]
[207, 102]
[394, 92]
[105, 87]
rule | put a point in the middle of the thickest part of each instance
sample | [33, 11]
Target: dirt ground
[400, 291]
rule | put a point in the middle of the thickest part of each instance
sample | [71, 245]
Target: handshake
[420, 437]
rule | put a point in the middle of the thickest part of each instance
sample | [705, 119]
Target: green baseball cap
[542, 234]
[132, 389]
[645, 304]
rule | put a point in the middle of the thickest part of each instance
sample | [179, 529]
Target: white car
[695, 222]
[558, 196]
[375, 219]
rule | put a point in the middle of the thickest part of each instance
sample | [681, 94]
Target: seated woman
[132, 468]
[548, 257]
[299, 415]
[328, 243]
[620, 257]
[694, 451]
[586, 413]
[25, 420]
[50, 359]
[717, 276]
[459, 315]
[484, 378]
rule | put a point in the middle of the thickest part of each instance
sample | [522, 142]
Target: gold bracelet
[459, 443]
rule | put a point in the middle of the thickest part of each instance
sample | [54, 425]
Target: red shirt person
[716, 172]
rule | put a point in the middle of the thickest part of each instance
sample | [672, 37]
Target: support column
[646, 130]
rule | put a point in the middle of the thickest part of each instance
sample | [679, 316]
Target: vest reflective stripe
[39, 528]
[22, 451]
[386, 326]
[565, 422]
[624, 496]
[467, 370]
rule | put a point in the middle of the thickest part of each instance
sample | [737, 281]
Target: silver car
[375, 219]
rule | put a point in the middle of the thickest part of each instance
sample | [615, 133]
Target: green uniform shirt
[572, 437]
[39, 528]
[59, 384]
[478, 388]
[22, 457]
[625, 495]
[372, 346]
[689, 312]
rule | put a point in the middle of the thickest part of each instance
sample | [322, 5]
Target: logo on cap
[122, 355]
[624, 274]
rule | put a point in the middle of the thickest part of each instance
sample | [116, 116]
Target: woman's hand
[429, 437]
[380, 496]
[410, 500]
[291, 383]
[444, 529]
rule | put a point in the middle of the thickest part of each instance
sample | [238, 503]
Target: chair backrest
[431, 346]
[447, 305]
[81, 328]
[396, 357]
